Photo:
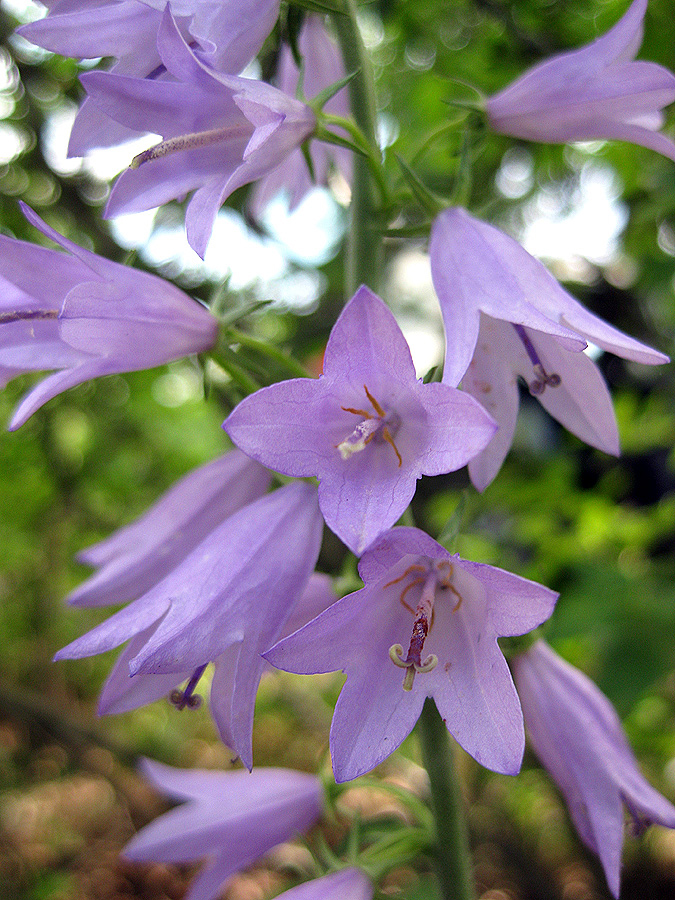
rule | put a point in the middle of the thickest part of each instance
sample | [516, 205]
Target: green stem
[364, 247]
[453, 860]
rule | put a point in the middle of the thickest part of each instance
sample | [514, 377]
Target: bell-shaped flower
[367, 428]
[138, 556]
[123, 692]
[220, 132]
[506, 317]
[86, 316]
[577, 735]
[322, 67]
[225, 35]
[226, 602]
[347, 884]
[598, 92]
[231, 818]
[448, 613]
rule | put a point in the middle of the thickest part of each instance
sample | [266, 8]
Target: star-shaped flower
[225, 603]
[220, 132]
[578, 737]
[86, 316]
[506, 316]
[367, 428]
[595, 93]
[448, 613]
[232, 818]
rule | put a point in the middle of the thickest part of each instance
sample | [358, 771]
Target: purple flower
[123, 692]
[232, 818]
[367, 428]
[506, 316]
[87, 317]
[448, 613]
[595, 93]
[220, 132]
[138, 556]
[347, 884]
[225, 35]
[225, 602]
[578, 737]
[322, 67]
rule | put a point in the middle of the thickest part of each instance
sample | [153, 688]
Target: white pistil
[190, 142]
[413, 663]
[381, 427]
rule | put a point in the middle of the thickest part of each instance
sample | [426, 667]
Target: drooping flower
[86, 316]
[578, 738]
[506, 316]
[232, 818]
[449, 613]
[224, 35]
[595, 93]
[123, 692]
[220, 132]
[347, 884]
[226, 602]
[367, 428]
[138, 556]
[322, 67]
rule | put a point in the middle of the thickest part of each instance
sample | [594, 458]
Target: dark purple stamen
[181, 699]
[20, 315]
[542, 378]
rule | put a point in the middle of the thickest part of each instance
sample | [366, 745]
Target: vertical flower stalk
[453, 862]
[364, 246]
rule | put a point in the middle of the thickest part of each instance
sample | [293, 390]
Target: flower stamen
[188, 698]
[21, 315]
[381, 427]
[542, 379]
[189, 142]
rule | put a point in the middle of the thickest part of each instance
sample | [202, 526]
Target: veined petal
[139, 555]
[356, 347]
[477, 268]
[492, 380]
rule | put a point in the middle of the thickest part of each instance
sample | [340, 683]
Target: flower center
[541, 376]
[429, 578]
[181, 699]
[191, 142]
[379, 426]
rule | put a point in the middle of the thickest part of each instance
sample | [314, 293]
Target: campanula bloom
[225, 35]
[226, 602]
[123, 692]
[322, 67]
[86, 316]
[231, 818]
[448, 613]
[138, 556]
[578, 737]
[598, 92]
[506, 317]
[219, 132]
[367, 428]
